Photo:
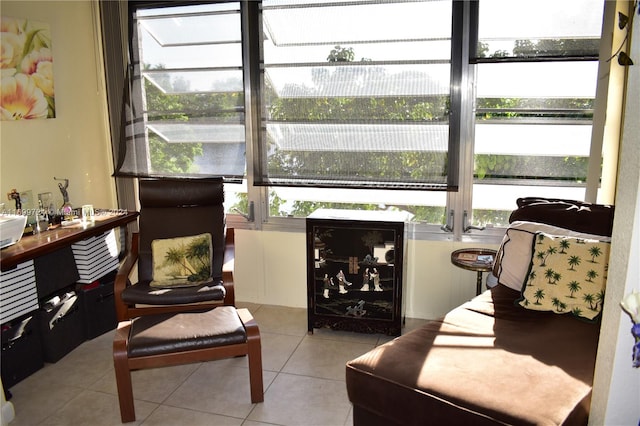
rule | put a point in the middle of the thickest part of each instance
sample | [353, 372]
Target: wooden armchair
[165, 325]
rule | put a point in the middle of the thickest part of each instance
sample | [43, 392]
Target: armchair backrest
[173, 207]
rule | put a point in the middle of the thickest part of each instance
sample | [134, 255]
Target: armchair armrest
[228, 267]
[122, 277]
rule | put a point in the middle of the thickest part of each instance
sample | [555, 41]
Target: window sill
[415, 231]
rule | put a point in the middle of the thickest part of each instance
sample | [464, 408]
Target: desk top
[32, 246]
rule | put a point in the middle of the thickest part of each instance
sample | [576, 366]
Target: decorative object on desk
[66, 208]
[631, 305]
[15, 195]
[28, 206]
[88, 215]
[71, 222]
[46, 210]
[27, 70]
[42, 218]
[45, 200]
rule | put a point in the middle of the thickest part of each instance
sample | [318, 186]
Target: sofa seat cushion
[486, 362]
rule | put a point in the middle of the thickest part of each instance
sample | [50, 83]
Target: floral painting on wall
[27, 70]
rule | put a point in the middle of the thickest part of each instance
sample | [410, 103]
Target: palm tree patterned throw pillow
[182, 261]
[566, 275]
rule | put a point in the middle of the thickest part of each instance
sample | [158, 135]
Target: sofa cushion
[514, 254]
[567, 275]
[486, 362]
[575, 215]
[181, 261]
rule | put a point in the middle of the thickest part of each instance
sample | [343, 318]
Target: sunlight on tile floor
[303, 382]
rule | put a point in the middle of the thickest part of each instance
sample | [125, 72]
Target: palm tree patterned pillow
[182, 261]
[566, 275]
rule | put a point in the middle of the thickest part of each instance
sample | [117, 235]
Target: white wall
[271, 269]
[74, 145]
[616, 393]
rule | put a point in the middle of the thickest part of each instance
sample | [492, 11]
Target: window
[188, 80]
[536, 84]
[357, 95]
[447, 109]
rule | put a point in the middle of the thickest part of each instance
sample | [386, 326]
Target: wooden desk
[31, 246]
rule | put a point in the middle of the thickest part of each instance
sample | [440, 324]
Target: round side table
[474, 259]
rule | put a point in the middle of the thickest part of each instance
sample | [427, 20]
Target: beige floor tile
[324, 358]
[299, 400]
[218, 389]
[277, 349]
[173, 416]
[252, 307]
[303, 382]
[81, 367]
[34, 401]
[348, 336]
[156, 384]
[349, 420]
[152, 385]
[96, 409]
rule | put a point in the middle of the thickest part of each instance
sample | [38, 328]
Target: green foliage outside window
[179, 157]
[182, 106]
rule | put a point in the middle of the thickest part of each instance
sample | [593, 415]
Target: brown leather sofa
[489, 361]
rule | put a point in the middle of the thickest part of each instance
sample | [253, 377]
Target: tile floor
[303, 382]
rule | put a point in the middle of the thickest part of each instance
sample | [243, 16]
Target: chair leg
[123, 376]
[255, 368]
[254, 355]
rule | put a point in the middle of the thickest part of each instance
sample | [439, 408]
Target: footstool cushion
[161, 334]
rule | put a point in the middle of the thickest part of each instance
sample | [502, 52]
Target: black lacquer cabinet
[355, 265]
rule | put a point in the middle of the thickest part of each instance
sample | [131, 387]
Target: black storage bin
[61, 325]
[55, 271]
[21, 349]
[98, 306]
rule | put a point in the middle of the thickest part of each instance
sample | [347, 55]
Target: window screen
[536, 76]
[356, 94]
[187, 110]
